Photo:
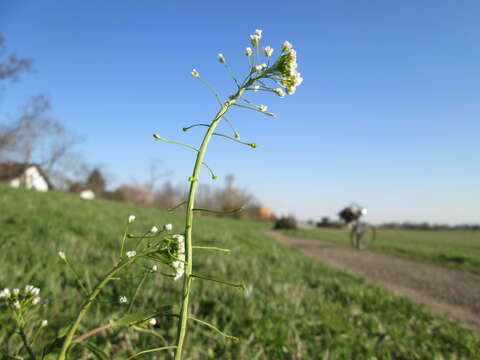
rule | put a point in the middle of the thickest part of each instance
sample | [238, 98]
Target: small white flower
[262, 108]
[256, 88]
[16, 291]
[62, 255]
[248, 51]
[35, 291]
[286, 46]
[258, 33]
[268, 51]
[123, 300]
[279, 92]
[254, 39]
[195, 74]
[16, 305]
[131, 254]
[44, 323]
[36, 300]
[152, 322]
[154, 267]
[131, 219]
[221, 58]
[181, 242]
[154, 230]
[5, 293]
[168, 227]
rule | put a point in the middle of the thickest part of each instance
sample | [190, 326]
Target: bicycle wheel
[362, 236]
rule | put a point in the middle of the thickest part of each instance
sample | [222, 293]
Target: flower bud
[154, 230]
[256, 88]
[62, 255]
[286, 46]
[195, 74]
[279, 92]
[154, 267]
[268, 51]
[131, 219]
[123, 300]
[254, 39]
[44, 323]
[262, 108]
[168, 227]
[131, 253]
[248, 51]
[221, 58]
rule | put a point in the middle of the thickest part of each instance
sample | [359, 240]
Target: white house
[29, 176]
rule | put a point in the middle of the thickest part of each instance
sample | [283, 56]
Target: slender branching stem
[109, 276]
[182, 324]
[25, 342]
[151, 350]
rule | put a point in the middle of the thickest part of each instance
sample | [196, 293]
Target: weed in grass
[154, 248]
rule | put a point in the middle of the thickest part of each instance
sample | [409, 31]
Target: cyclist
[351, 213]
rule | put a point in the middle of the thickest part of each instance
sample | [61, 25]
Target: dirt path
[444, 291]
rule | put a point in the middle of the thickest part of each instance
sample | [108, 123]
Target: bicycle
[362, 234]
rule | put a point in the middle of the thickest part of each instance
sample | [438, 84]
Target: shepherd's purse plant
[164, 251]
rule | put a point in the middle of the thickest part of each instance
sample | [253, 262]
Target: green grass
[458, 249]
[297, 308]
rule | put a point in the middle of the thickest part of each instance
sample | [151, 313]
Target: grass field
[458, 249]
[296, 308]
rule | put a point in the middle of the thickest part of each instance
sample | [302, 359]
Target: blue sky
[387, 116]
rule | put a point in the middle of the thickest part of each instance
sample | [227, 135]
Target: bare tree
[37, 137]
[11, 66]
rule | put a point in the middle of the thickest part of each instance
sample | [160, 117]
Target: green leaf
[95, 350]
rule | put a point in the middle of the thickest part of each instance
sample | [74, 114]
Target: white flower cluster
[287, 62]
[29, 296]
[123, 300]
[179, 263]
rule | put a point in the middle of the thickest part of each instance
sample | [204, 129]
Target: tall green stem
[182, 325]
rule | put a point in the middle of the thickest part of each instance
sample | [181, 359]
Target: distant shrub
[286, 222]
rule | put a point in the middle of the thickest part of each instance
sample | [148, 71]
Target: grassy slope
[297, 308]
[457, 249]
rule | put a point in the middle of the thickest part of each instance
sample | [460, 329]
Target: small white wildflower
[268, 51]
[152, 322]
[262, 108]
[36, 300]
[154, 267]
[131, 219]
[221, 58]
[254, 39]
[286, 46]
[181, 242]
[154, 230]
[168, 227]
[258, 33]
[16, 305]
[248, 51]
[44, 323]
[5, 293]
[16, 291]
[195, 74]
[35, 291]
[279, 92]
[62, 255]
[131, 253]
[257, 68]
[248, 290]
[256, 88]
[123, 300]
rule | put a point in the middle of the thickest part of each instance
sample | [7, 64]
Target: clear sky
[388, 114]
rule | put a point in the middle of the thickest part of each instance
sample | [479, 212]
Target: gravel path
[444, 291]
